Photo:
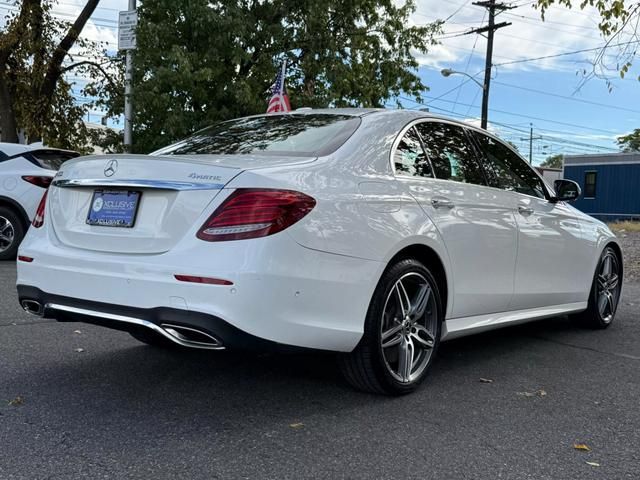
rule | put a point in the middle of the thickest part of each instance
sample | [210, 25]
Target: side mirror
[566, 191]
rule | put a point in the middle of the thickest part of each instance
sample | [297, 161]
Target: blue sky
[564, 123]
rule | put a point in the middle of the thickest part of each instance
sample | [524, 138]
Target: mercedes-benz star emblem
[111, 168]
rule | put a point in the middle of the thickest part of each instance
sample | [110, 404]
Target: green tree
[199, 62]
[553, 161]
[34, 57]
[630, 142]
[618, 23]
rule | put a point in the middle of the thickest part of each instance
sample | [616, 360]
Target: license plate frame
[114, 208]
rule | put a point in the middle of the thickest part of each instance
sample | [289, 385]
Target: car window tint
[450, 153]
[409, 157]
[51, 159]
[507, 170]
[289, 134]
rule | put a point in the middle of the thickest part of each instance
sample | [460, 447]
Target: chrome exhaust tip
[191, 337]
[33, 307]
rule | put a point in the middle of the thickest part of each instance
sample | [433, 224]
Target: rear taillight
[37, 180]
[38, 220]
[253, 213]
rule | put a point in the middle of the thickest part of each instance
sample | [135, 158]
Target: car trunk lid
[173, 192]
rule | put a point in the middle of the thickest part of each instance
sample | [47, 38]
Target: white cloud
[527, 37]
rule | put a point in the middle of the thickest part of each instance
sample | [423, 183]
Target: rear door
[549, 270]
[476, 222]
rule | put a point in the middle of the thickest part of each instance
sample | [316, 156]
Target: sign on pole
[127, 22]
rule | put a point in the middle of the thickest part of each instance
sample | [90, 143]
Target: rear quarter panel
[361, 210]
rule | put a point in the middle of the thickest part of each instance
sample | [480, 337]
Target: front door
[549, 235]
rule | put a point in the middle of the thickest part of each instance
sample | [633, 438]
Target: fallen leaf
[526, 394]
[537, 393]
[593, 464]
[16, 402]
[486, 380]
[582, 447]
[79, 350]
[296, 425]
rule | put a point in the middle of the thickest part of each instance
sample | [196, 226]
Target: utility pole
[491, 7]
[127, 23]
[531, 139]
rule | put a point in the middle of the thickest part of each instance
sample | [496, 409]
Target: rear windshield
[50, 159]
[291, 134]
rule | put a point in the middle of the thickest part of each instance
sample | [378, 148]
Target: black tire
[367, 367]
[152, 338]
[12, 222]
[593, 316]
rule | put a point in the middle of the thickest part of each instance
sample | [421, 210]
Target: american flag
[279, 99]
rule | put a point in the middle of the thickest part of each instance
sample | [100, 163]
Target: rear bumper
[213, 332]
[282, 293]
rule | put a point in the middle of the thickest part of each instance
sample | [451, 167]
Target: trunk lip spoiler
[135, 183]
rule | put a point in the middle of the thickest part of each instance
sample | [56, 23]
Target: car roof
[408, 114]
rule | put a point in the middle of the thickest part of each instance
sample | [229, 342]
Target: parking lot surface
[78, 401]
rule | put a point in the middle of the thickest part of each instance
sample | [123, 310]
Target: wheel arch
[15, 206]
[430, 258]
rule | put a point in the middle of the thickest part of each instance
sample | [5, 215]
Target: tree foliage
[630, 142]
[553, 161]
[618, 23]
[199, 62]
[35, 54]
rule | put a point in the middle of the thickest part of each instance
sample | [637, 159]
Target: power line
[535, 118]
[547, 138]
[565, 97]
[565, 53]
[457, 10]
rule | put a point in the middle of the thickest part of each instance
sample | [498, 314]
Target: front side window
[290, 134]
[590, 184]
[450, 153]
[506, 170]
[409, 157]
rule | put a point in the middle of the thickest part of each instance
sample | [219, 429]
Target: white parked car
[372, 233]
[25, 172]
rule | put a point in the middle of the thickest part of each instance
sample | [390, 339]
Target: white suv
[25, 172]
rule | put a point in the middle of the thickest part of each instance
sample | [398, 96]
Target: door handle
[441, 202]
[523, 210]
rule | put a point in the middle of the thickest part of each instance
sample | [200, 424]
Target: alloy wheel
[608, 283]
[408, 327]
[7, 234]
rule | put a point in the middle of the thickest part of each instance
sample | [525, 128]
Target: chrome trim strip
[132, 320]
[135, 183]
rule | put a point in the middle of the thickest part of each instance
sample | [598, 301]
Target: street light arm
[446, 72]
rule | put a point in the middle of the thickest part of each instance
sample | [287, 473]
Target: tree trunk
[7, 117]
[54, 69]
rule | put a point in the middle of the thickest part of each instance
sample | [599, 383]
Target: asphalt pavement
[78, 401]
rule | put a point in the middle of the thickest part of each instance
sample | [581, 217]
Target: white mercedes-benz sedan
[373, 233]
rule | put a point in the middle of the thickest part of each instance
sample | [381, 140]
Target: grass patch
[626, 225]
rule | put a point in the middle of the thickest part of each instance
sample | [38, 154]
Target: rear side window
[409, 157]
[290, 134]
[450, 152]
[506, 170]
